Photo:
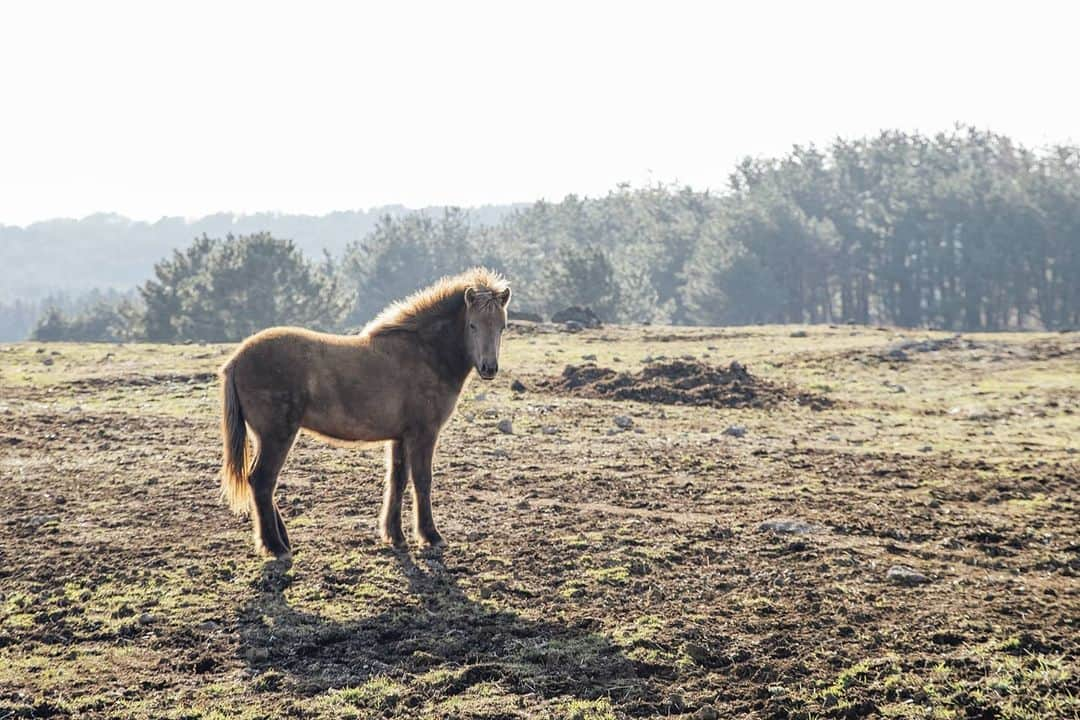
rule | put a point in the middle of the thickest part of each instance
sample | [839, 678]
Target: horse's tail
[236, 463]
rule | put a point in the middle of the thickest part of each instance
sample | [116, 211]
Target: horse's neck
[446, 348]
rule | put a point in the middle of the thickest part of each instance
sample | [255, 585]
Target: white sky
[187, 108]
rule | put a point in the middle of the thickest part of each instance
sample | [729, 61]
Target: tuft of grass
[600, 709]
[378, 694]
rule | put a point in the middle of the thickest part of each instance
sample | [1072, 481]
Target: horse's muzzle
[487, 370]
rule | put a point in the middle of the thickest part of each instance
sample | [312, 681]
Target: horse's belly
[352, 424]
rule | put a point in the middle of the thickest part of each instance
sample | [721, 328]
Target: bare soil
[595, 569]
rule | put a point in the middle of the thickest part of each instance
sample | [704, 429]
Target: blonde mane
[438, 301]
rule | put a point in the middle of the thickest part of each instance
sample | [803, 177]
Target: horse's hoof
[281, 552]
[394, 540]
[432, 540]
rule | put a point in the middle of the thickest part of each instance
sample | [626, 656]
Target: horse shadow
[434, 642]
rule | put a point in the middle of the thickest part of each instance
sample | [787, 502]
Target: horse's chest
[432, 405]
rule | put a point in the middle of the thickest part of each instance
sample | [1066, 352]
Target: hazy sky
[151, 109]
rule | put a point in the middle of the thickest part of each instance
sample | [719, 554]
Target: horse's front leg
[397, 473]
[420, 452]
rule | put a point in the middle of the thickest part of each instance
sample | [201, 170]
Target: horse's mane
[437, 302]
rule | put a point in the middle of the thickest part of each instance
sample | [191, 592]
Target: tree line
[964, 230]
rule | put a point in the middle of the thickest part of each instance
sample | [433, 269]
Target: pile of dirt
[901, 352]
[681, 382]
[583, 317]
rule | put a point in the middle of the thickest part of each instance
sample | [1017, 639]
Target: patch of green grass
[1016, 686]
[618, 575]
[1028, 505]
[573, 589]
[378, 694]
[600, 709]
[642, 629]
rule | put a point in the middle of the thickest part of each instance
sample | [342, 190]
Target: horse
[396, 382]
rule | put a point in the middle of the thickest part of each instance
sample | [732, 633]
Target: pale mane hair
[437, 302]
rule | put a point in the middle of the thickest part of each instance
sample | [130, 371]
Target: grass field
[595, 568]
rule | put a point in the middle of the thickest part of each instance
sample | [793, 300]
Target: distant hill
[112, 251]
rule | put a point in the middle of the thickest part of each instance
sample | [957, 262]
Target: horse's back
[275, 372]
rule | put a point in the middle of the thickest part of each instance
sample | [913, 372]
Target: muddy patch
[92, 384]
[682, 382]
[969, 349]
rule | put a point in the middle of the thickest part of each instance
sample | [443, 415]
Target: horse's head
[485, 320]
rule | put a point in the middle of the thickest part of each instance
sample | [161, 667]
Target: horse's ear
[470, 296]
[504, 297]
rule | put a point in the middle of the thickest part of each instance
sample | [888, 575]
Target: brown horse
[397, 381]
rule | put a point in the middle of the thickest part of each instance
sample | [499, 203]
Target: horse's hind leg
[282, 533]
[396, 475]
[270, 534]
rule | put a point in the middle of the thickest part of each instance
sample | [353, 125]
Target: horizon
[241, 215]
[196, 219]
[247, 109]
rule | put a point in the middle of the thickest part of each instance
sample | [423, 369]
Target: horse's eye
[472, 326]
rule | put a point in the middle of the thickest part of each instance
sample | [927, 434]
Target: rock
[735, 431]
[480, 397]
[147, 619]
[926, 448]
[207, 626]
[575, 313]
[903, 575]
[896, 354]
[624, 421]
[788, 526]
[46, 360]
[833, 438]
[505, 426]
[798, 334]
[500, 453]
[573, 326]
[257, 654]
[41, 520]
[517, 386]
[696, 652]
[524, 315]
[549, 430]
[706, 712]
[588, 358]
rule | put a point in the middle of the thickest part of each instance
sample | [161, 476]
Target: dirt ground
[906, 546]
